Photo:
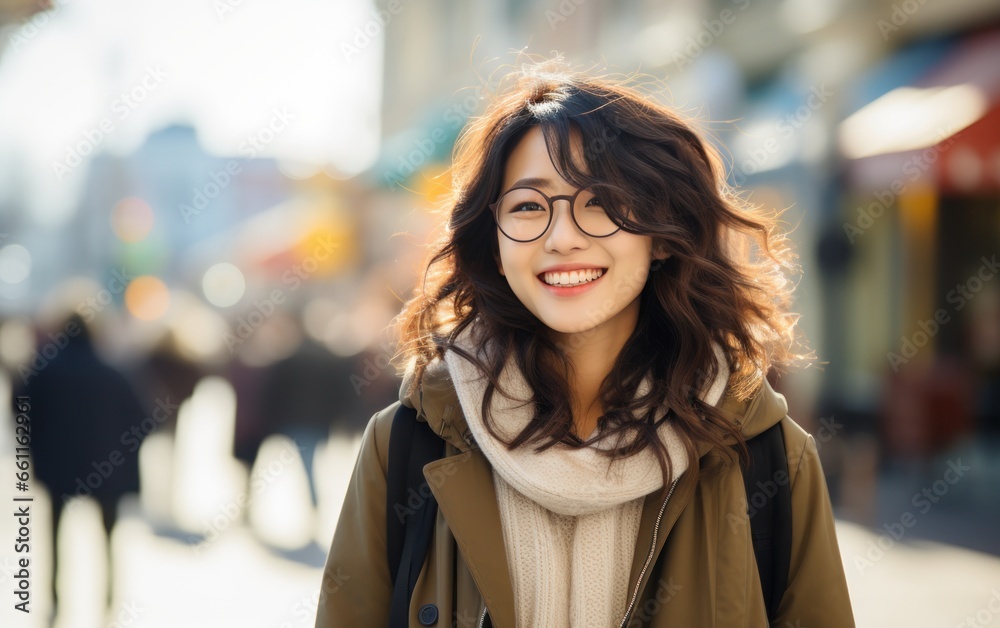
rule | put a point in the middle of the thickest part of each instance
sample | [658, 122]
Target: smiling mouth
[568, 279]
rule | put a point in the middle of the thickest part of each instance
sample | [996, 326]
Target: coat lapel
[463, 487]
[475, 524]
[740, 412]
[648, 547]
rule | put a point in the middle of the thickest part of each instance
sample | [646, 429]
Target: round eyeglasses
[524, 214]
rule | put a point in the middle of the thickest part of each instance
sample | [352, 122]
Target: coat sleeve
[356, 588]
[816, 595]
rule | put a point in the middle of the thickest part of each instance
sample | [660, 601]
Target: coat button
[428, 615]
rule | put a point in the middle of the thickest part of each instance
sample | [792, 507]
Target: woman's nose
[563, 233]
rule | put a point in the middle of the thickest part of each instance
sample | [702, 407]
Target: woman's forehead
[531, 159]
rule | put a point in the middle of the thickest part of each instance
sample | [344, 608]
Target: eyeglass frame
[494, 207]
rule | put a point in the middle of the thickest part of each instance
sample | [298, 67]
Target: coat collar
[436, 402]
[463, 485]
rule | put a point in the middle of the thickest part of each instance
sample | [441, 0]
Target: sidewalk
[920, 584]
[165, 582]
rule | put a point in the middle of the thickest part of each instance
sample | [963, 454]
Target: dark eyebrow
[531, 182]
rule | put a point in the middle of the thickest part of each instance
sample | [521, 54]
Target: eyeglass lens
[523, 213]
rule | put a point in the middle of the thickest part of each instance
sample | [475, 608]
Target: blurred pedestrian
[306, 396]
[86, 426]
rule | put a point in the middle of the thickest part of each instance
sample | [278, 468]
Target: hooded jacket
[693, 563]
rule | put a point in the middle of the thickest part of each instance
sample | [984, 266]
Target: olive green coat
[693, 564]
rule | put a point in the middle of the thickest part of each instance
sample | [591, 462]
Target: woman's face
[609, 303]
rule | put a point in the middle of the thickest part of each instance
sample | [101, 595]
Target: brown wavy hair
[726, 281]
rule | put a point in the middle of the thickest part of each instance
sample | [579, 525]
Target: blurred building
[920, 211]
[874, 123]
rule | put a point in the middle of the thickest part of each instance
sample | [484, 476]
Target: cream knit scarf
[570, 521]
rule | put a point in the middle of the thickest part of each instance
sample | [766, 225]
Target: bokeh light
[147, 298]
[198, 330]
[146, 257]
[15, 263]
[223, 285]
[132, 219]
[17, 342]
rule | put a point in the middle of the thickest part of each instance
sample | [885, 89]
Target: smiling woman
[589, 345]
[567, 273]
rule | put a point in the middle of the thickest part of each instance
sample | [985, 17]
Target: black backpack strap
[410, 506]
[769, 505]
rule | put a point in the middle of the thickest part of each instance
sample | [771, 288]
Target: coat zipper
[656, 528]
[649, 557]
[652, 547]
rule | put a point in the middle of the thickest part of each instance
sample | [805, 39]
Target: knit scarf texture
[570, 518]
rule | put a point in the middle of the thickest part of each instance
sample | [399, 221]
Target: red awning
[970, 163]
[964, 161]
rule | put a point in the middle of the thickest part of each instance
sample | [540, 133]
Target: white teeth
[572, 278]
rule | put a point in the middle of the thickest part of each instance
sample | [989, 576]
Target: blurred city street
[238, 581]
[211, 215]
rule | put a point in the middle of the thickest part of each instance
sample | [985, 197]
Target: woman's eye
[531, 207]
[595, 201]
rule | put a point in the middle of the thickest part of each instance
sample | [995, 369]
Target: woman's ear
[660, 251]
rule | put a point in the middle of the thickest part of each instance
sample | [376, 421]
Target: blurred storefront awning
[307, 237]
[914, 130]
[971, 165]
